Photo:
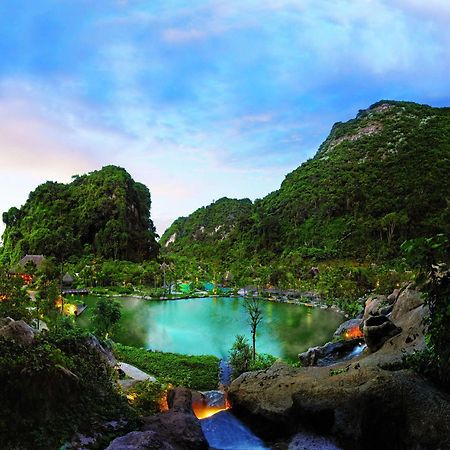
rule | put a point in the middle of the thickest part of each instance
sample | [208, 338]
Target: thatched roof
[67, 278]
[37, 260]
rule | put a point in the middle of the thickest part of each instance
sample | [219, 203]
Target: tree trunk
[254, 343]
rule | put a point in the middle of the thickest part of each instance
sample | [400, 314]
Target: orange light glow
[203, 411]
[3, 297]
[26, 278]
[353, 333]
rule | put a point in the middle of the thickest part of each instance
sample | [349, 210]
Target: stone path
[135, 373]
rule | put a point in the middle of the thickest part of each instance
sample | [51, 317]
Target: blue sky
[201, 99]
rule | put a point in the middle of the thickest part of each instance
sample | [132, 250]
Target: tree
[14, 300]
[240, 356]
[106, 315]
[391, 221]
[254, 312]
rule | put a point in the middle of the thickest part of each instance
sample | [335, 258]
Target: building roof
[67, 278]
[35, 259]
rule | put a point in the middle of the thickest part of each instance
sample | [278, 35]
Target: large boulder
[363, 407]
[104, 352]
[408, 300]
[18, 331]
[373, 305]
[347, 327]
[177, 428]
[330, 353]
[393, 296]
[140, 440]
[377, 330]
[369, 402]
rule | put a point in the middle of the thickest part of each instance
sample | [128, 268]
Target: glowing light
[204, 411]
[353, 333]
[132, 396]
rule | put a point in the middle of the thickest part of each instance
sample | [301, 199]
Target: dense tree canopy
[104, 213]
[376, 181]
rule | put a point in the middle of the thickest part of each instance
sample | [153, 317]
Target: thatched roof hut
[37, 260]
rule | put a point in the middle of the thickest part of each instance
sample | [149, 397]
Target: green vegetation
[430, 256]
[107, 313]
[103, 214]
[242, 359]
[240, 356]
[52, 388]
[254, 313]
[148, 397]
[195, 372]
[376, 181]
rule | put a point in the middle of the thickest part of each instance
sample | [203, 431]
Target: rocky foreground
[370, 402]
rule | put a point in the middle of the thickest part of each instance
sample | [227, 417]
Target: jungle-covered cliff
[376, 181]
[104, 213]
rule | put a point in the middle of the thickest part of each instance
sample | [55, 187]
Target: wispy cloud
[203, 99]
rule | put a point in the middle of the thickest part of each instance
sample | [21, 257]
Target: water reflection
[209, 325]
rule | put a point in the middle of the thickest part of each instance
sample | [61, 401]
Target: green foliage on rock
[430, 256]
[210, 233]
[376, 181]
[194, 372]
[104, 213]
[52, 388]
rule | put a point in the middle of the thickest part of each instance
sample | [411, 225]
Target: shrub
[240, 356]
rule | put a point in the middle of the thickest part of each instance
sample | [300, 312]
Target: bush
[194, 372]
[147, 397]
[52, 388]
[240, 356]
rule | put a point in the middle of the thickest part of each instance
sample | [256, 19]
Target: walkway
[135, 373]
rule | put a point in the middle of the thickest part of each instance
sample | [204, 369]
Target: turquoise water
[209, 325]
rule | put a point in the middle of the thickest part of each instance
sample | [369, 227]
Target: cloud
[208, 99]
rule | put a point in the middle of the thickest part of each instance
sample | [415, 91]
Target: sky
[201, 99]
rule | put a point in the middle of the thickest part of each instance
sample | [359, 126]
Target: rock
[176, 429]
[5, 321]
[329, 353]
[180, 399]
[408, 300]
[18, 331]
[105, 353]
[377, 330]
[392, 297]
[179, 427]
[135, 373]
[140, 440]
[308, 441]
[346, 326]
[373, 305]
[362, 407]
[215, 398]
[385, 310]
[368, 402]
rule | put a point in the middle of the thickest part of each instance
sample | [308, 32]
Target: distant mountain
[210, 232]
[104, 213]
[376, 181]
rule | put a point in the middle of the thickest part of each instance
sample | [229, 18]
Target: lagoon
[209, 325]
